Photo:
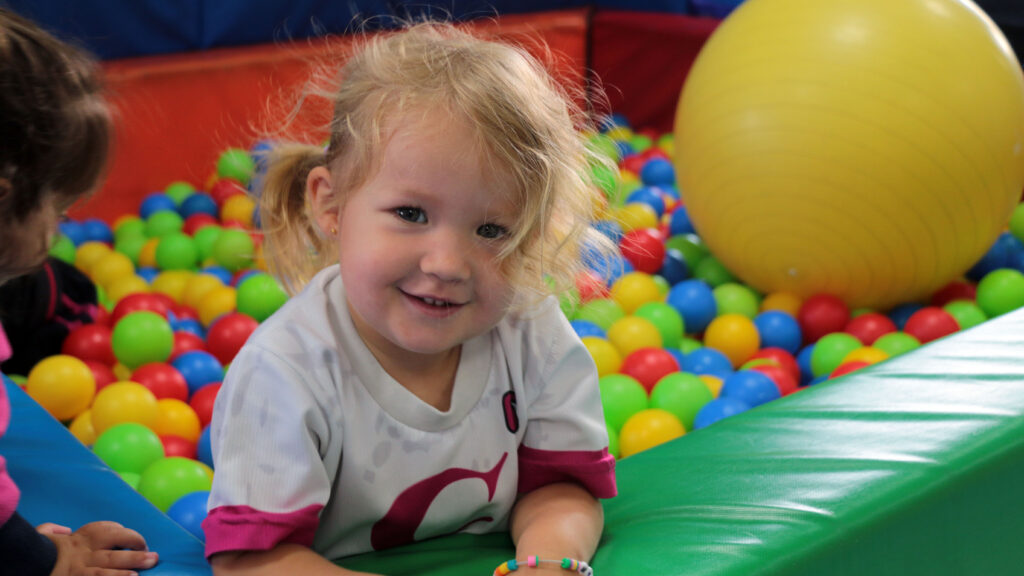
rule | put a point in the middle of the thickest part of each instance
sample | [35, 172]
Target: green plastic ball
[131, 479]
[204, 239]
[129, 447]
[166, 480]
[1001, 291]
[621, 396]
[683, 394]
[691, 247]
[712, 271]
[1017, 222]
[896, 343]
[63, 249]
[687, 344]
[613, 443]
[601, 311]
[666, 319]
[162, 223]
[733, 298]
[130, 226]
[640, 142]
[177, 251]
[233, 249]
[178, 191]
[607, 180]
[830, 350]
[236, 164]
[130, 246]
[259, 296]
[966, 313]
[142, 337]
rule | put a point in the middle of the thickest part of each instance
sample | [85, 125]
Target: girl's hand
[49, 528]
[95, 549]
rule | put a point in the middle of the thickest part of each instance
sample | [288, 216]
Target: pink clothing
[8, 490]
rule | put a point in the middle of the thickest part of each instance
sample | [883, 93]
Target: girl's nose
[445, 257]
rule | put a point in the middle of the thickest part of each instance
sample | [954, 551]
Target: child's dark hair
[55, 122]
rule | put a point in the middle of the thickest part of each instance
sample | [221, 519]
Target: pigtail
[294, 247]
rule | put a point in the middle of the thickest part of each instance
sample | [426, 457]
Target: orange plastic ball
[176, 418]
[734, 335]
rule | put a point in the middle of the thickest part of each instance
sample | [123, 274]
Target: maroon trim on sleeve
[594, 469]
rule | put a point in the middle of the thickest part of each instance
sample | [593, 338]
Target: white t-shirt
[314, 443]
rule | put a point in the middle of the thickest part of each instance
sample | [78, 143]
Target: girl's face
[418, 241]
[24, 244]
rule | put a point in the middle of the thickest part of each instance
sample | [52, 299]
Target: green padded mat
[914, 466]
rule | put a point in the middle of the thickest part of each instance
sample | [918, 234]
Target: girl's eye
[410, 214]
[492, 231]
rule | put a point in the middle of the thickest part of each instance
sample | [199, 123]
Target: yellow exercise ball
[870, 149]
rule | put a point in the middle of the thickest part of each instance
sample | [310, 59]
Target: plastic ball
[603, 311]
[658, 172]
[896, 343]
[781, 358]
[199, 369]
[162, 379]
[227, 335]
[647, 429]
[198, 203]
[189, 511]
[123, 287]
[782, 301]
[719, 409]
[202, 402]
[239, 209]
[156, 303]
[586, 328]
[680, 222]
[785, 381]
[707, 361]
[128, 447]
[204, 449]
[216, 303]
[847, 367]
[649, 365]
[233, 249]
[733, 298]
[176, 418]
[176, 251]
[89, 342]
[87, 254]
[101, 373]
[63, 249]
[734, 335]
[632, 333]
[665, 318]
[712, 271]
[778, 329]
[695, 302]
[621, 397]
[62, 384]
[1001, 291]
[633, 290]
[644, 248]
[205, 238]
[236, 164]
[185, 342]
[681, 394]
[164, 222]
[123, 402]
[869, 327]
[868, 354]
[142, 337]
[881, 225]
[156, 202]
[930, 323]
[674, 268]
[165, 481]
[750, 387]
[636, 216]
[73, 231]
[830, 350]
[956, 290]
[179, 191]
[605, 355]
[197, 287]
[96, 230]
[967, 314]
[81, 428]
[822, 314]
[649, 195]
[176, 446]
[197, 222]
[110, 267]
[259, 296]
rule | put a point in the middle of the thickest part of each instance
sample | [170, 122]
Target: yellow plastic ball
[238, 208]
[147, 255]
[634, 289]
[783, 302]
[176, 418]
[734, 335]
[632, 333]
[868, 354]
[605, 355]
[714, 383]
[622, 133]
[121, 372]
[81, 428]
[215, 303]
[124, 402]
[63, 385]
[196, 288]
[111, 267]
[831, 147]
[88, 253]
[172, 283]
[635, 216]
[648, 428]
[122, 287]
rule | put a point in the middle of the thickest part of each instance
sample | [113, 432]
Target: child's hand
[51, 528]
[94, 550]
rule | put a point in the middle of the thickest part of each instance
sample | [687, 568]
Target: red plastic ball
[102, 373]
[930, 323]
[648, 365]
[178, 446]
[196, 221]
[869, 327]
[784, 359]
[644, 248]
[202, 402]
[785, 381]
[225, 188]
[956, 290]
[90, 342]
[185, 342]
[634, 163]
[151, 302]
[822, 314]
[654, 152]
[227, 335]
[163, 380]
[847, 367]
[102, 316]
[591, 287]
[183, 312]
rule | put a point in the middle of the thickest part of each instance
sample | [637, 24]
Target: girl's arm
[556, 521]
[282, 559]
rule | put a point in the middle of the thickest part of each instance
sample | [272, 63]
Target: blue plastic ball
[204, 448]
[189, 511]
[154, 203]
[695, 302]
[189, 325]
[707, 361]
[624, 148]
[680, 222]
[658, 172]
[222, 273]
[678, 354]
[900, 314]
[147, 273]
[998, 256]
[674, 268]
[803, 360]
[243, 276]
[96, 230]
[718, 409]
[199, 369]
[73, 230]
[750, 387]
[198, 203]
[610, 228]
[778, 330]
[650, 196]
[586, 328]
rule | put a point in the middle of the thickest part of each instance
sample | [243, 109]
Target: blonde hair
[528, 125]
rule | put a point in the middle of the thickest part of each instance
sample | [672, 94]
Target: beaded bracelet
[578, 566]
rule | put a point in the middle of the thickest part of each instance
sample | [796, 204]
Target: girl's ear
[326, 209]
